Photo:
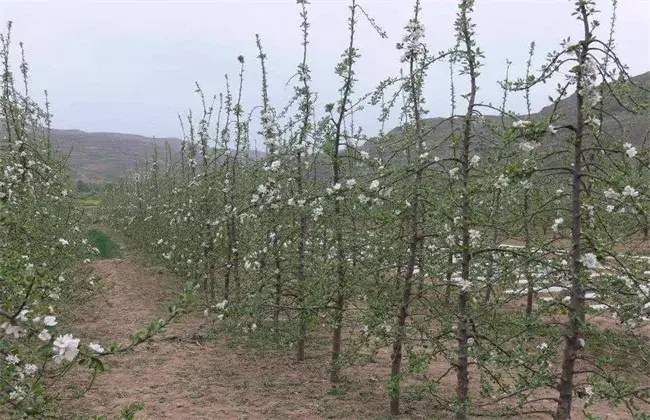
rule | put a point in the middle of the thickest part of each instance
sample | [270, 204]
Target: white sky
[130, 66]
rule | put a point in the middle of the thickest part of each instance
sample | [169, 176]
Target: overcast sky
[130, 66]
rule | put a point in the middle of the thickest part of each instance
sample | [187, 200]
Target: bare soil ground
[181, 376]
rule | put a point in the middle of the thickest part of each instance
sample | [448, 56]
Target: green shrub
[107, 248]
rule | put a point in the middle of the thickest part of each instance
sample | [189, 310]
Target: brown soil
[181, 376]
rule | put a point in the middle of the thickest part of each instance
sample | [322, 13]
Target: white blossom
[451, 240]
[15, 330]
[412, 40]
[12, 359]
[526, 184]
[502, 181]
[474, 235]
[49, 321]
[629, 191]
[317, 212]
[630, 150]
[45, 335]
[96, 348]
[17, 394]
[463, 284]
[528, 146]
[521, 124]
[30, 369]
[65, 347]
[590, 261]
[556, 224]
[22, 316]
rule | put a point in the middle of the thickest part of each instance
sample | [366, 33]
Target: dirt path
[179, 376]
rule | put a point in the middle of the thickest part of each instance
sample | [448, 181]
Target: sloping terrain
[624, 118]
[101, 157]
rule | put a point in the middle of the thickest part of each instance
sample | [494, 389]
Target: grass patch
[103, 242]
[338, 390]
[88, 202]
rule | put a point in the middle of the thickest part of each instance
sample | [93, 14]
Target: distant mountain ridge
[102, 157]
[617, 120]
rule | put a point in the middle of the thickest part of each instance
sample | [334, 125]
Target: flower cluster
[412, 42]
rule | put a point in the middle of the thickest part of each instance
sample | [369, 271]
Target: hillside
[101, 157]
[618, 121]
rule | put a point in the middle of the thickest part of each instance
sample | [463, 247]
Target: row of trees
[42, 245]
[45, 261]
[493, 244]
